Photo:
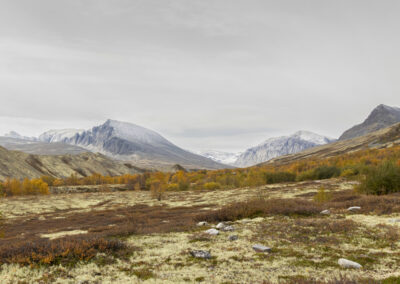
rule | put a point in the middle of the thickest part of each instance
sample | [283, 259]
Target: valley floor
[160, 235]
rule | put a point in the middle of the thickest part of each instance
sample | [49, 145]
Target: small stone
[326, 212]
[261, 248]
[201, 224]
[233, 238]
[201, 254]
[220, 226]
[212, 232]
[348, 263]
[228, 229]
[354, 208]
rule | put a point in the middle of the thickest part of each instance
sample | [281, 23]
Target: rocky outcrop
[382, 116]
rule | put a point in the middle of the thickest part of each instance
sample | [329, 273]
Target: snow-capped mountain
[16, 135]
[280, 146]
[221, 157]
[130, 142]
[61, 135]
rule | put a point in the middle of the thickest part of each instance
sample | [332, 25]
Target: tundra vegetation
[376, 164]
[146, 234]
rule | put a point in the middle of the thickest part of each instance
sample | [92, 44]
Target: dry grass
[385, 204]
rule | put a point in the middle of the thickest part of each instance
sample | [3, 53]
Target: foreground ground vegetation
[309, 214]
[131, 237]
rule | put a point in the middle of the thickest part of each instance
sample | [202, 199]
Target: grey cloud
[225, 74]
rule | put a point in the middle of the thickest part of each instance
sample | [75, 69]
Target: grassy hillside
[22, 165]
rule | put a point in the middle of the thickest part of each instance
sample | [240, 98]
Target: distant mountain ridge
[382, 138]
[39, 147]
[61, 135]
[280, 146]
[382, 116]
[130, 142]
[226, 158]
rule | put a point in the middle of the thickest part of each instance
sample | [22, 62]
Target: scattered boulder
[201, 254]
[201, 224]
[349, 264]
[212, 232]
[228, 229]
[261, 248]
[354, 208]
[221, 226]
[233, 238]
[325, 212]
[394, 220]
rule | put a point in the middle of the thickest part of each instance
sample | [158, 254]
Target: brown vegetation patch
[28, 246]
[384, 204]
[64, 251]
[262, 207]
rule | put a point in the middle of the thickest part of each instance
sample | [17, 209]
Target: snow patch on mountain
[60, 135]
[226, 158]
[280, 146]
[16, 135]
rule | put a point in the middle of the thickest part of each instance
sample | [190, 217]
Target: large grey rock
[354, 208]
[261, 248]
[221, 226]
[200, 224]
[349, 264]
[201, 254]
[228, 229]
[212, 232]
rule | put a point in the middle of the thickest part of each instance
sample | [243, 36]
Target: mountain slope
[40, 148]
[221, 157]
[280, 146]
[382, 116]
[382, 138]
[130, 142]
[22, 165]
[15, 135]
[61, 135]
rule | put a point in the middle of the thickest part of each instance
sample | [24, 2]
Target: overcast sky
[206, 74]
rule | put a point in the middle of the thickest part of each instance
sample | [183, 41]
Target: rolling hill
[21, 165]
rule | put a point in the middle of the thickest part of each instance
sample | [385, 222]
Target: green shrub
[212, 185]
[307, 175]
[173, 187]
[381, 179]
[277, 177]
[323, 172]
[322, 196]
[326, 172]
